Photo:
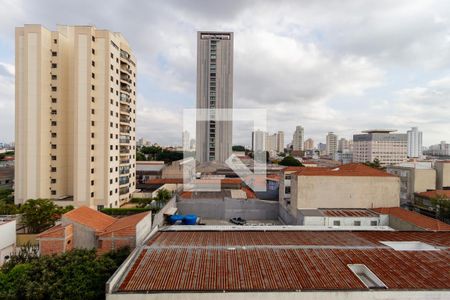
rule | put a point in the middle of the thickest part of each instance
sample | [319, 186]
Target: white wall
[7, 239]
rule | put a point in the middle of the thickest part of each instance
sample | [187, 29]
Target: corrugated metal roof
[349, 213]
[284, 261]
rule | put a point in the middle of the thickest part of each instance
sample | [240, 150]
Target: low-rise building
[7, 239]
[414, 178]
[424, 202]
[85, 228]
[341, 217]
[6, 176]
[284, 262]
[442, 174]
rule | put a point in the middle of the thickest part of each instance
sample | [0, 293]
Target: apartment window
[93, 87]
[92, 158]
[54, 89]
[53, 123]
[357, 223]
[111, 90]
[110, 170]
[110, 181]
[54, 134]
[54, 66]
[92, 123]
[55, 41]
[112, 68]
[111, 135]
[53, 157]
[112, 55]
[54, 53]
[93, 51]
[54, 112]
[111, 113]
[92, 182]
[93, 38]
[111, 124]
[54, 100]
[93, 75]
[93, 63]
[373, 223]
[92, 135]
[53, 192]
[54, 77]
[53, 146]
[93, 99]
[53, 180]
[53, 169]
[287, 190]
[92, 147]
[110, 158]
[336, 223]
[93, 111]
[92, 195]
[92, 171]
[112, 79]
[110, 193]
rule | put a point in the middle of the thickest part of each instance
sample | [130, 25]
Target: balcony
[124, 180]
[124, 151]
[124, 170]
[125, 129]
[125, 119]
[124, 190]
[124, 68]
[125, 110]
[126, 78]
[124, 139]
[124, 161]
[125, 88]
[125, 98]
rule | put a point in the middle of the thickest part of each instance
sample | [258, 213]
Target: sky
[341, 66]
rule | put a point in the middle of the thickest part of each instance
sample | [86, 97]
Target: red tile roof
[417, 219]
[124, 226]
[53, 230]
[292, 168]
[90, 217]
[164, 180]
[344, 170]
[435, 193]
[284, 261]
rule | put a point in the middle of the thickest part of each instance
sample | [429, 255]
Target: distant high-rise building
[345, 145]
[280, 141]
[414, 142]
[75, 116]
[214, 91]
[185, 140]
[297, 140]
[271, 142]
[389, 148]
[309, 144]
[259, 140]
[331, 143]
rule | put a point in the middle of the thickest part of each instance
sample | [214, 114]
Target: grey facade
[214, 91]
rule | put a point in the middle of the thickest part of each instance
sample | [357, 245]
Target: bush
[290, 161]
[124, 211]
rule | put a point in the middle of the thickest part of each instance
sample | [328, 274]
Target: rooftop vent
[409, 246]
[367, 276]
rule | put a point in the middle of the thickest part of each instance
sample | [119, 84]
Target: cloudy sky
[341, 66]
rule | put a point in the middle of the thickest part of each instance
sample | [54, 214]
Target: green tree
[291, 161]
[41, 214]
[7, 206]
[441, 204]
[169, 156]
[238, 148]
[375, 164]
[140, 156]
[151, 151]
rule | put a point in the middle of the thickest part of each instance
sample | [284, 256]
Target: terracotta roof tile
[90, 217]
[125, 225]
[414, 218]
[435, 193]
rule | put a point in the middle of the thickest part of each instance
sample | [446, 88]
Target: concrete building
[344, 157]
[441, 149]
[7, 239]
[442, 175]
[414, 178]
[259, 140]
[214, 91]
[332, 143]
[414, 142]
[298, 138]
[389, 148]
[280, 142]
[75, 116]
[6, 176]
[284, 262]
[85, 228]
[272, 142]
[345, 145]
[342, 217]
[308, 144]
[346, 186]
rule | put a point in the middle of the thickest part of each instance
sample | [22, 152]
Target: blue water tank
[190, 220]
[174, 218]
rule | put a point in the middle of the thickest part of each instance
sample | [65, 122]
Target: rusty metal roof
[284, 261]
[349, 213]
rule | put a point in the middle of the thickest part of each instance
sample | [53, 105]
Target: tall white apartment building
[297, 139]
[214, 91]
[389, 148]
[414, 142]
[75, 116]
[259, 140]
[332, 143]
[280, 141]
[272, 142]
[345, 145]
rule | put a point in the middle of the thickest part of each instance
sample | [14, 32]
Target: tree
[238, 148]
[151, 151]
[41, 214]
[291, 161]
[7, 206]
[441, 204]
[140, 156]
[169, 156]
[375, 164]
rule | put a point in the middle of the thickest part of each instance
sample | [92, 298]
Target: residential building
[272, 142]
[259, 140]
[389, 148]
[441, 149]
[86, 228]
[185, 140]
[308, 144]
[442, 174]
[414, 178]
[346, 186]
[345, 145]
[298, 138]
[344, 157]
[75, 116]
[414, 142]
[6, 176]
[214, 91]
[423, 202]
[331, 143]
[7, 238]
[342, 217]
[284, 262]
[146, 170]
[280, 142]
